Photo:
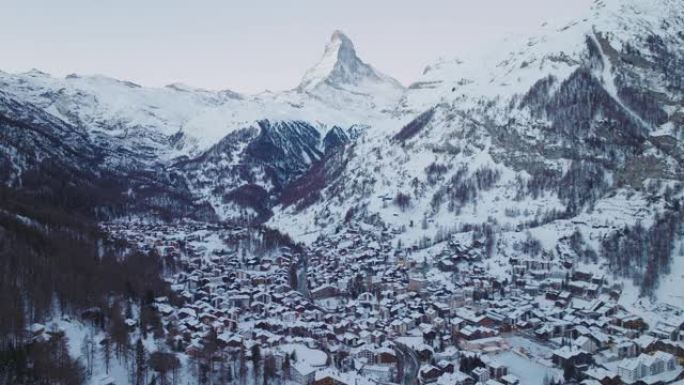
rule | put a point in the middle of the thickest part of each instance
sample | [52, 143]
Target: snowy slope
[575, 129]
[513, 66]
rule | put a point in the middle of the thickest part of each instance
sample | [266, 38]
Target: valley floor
[351, 309]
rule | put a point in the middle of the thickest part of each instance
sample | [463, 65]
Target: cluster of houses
[372, 313]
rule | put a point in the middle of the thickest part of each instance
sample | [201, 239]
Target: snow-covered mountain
[576, 130]
[541, 138]
[341, 77]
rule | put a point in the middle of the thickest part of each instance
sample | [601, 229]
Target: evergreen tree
[140, 363]
[106, 353]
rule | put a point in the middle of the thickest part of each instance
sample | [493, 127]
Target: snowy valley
[511, 217]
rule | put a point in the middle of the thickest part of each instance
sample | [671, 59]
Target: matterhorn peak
[341, 68]
[340, 46]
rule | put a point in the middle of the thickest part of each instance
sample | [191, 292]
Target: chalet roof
[567, 352]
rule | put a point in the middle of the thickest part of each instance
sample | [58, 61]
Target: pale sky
[252, 45]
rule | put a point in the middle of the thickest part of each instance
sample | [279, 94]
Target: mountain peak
[340, 67]
[341, 46]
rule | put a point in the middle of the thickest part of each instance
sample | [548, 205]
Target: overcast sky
[252, 45]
